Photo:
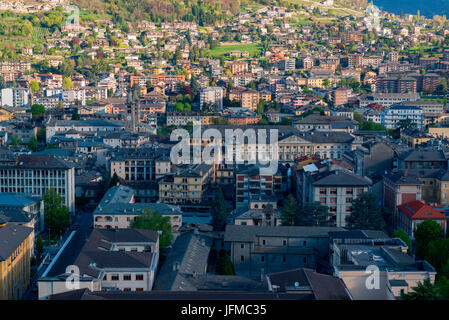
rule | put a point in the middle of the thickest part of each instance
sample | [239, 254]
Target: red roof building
[411, 214]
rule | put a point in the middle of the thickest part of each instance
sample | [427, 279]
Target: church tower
[132, 109]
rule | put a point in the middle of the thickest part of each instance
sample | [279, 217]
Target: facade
[16, 249]
[35, 174]
[256, 250]
[185, 185]
[15, 97]
[336, 190]
[387, 99]
[392, 116]
[411, 214]
[213, 95]
[111, 260]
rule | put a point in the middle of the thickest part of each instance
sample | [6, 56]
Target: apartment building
[249, 182]
[15, 97]
[393, 84]
[340, 96]
[16, 250]
[11, 70]
[185, 185]
[250, 99]
[336, 189]
[238, 67]
[23, 210]
[35, 174]
[212, 95]
[393, 115]
[387, 99]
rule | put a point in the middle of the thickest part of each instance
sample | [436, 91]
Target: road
[68, 256]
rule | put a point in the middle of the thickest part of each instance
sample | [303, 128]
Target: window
[127, 277]
[139, 277]
[126, 289]
[262, 259]
[263, 242]
[305, 260]
[242, 246]
[139, 289]
[114, 277]
[284, 259]
[242, 258]
[284, 242]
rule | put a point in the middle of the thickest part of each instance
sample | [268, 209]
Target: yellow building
[5, 114]
[186, 186]
[16, 247]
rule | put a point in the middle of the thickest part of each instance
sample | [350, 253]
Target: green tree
[37, 110]
[39, 246]
[153, 220]
[75, 116]
[424, 291]
[315, 214]
[289, 215]
[114, 180]
[67, 83]
[41, 134]
[426, 232]
[179, 106]
[225, 266]
[437, 254]
[15, 141]
[219, 212]
[33, 144]
[34, 86]
[56, 214]
[365, 213]
[401, 234]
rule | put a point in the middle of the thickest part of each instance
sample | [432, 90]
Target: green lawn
[252, 48]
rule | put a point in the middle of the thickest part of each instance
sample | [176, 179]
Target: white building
[15, 97]
[212, 95]
[396, 113]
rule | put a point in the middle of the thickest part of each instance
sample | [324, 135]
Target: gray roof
[187, 258]
[339, 178]
[237, 233]
[11, 236]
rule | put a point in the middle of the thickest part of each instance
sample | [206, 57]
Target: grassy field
[252, 48]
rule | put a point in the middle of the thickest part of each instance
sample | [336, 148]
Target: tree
[225, 266]
[41, 134]
[315, 214]
[15, 141]
[67, 83]
[426, 232]
[179, 106]
[34, 86]
[365, 213]
[219, 212]
[289, 215]
[437, 254]
[37, 110]
[424, 291]
[401, 234]
[56, 214]
[39, 246]
[75, 116]
[114, 180]
[33, 144]
[153, 220]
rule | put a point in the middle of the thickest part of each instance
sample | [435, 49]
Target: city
[223, 150]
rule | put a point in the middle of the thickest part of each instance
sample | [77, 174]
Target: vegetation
[315, 214]
[153, 220]
[425, 233]
[219, 212]
[56, 214]
[365, 213]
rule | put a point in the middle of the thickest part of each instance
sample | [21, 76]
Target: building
[23, 210]
[257, 250]
[212, 95]
[16, 249]
[393, 84]
[395, 114]
[411, 214]
[15, 97]
[336, 189]
[110, 260]
[185, 185]
[340, 96]
[35, 174]
[354, 253]
[118, 209]
[387, 99]
[249, 99]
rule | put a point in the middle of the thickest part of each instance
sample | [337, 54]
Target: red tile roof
[419, 210]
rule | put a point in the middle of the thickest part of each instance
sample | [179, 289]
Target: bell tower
[132, 109]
